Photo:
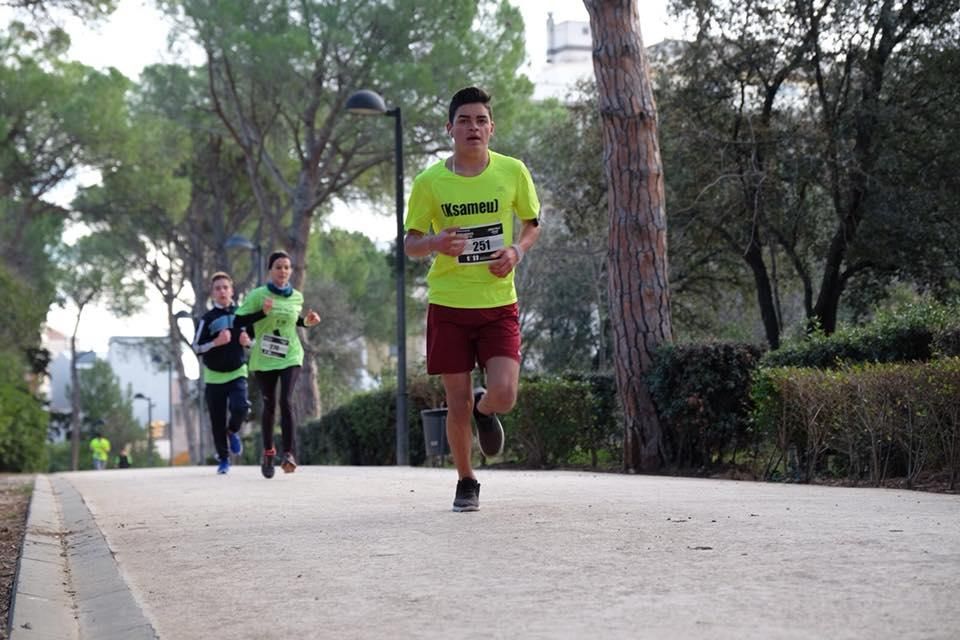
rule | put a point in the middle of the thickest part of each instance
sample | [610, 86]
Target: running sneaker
[289, 464]
[468, 495]
[489, 429]
[266, 467]
[223, 467]
[236, 444]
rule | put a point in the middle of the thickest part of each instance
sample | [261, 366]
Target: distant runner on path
[99, 451]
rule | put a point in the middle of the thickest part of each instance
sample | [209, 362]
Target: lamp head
[238, 241]
[367, 103]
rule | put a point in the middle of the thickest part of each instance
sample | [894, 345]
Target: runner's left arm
[509, 257]
[312, 319]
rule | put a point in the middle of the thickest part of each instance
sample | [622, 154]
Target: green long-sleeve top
[276, 345]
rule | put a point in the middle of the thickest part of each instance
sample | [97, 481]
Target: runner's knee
[500, 398]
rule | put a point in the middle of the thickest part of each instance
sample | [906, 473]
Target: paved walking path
[375, 552]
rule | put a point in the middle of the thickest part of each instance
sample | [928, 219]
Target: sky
[136, 36]
[137, 30]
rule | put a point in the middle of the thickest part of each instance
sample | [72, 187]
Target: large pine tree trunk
[637, 260]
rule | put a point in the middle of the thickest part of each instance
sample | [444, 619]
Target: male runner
[220, 340]
[469, 201]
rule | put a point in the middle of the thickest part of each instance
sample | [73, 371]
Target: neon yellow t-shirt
[483, 206]
[276, 343]
[100, 448]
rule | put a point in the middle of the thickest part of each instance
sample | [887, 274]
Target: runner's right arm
[418, 245]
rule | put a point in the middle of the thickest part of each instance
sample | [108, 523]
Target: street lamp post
[170, 408]
[366, 102]
[237, 241]
[140, 396]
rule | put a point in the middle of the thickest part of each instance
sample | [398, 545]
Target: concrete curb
[42, 605]
[68, 584]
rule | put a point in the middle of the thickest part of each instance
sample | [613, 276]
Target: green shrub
[552, 418]
[902, 335]
[798, 412]
[363, 430]
[23, 422]
[556, 422]
[946, 342]
[60, 457]
[601, 441]
[701, 392]
[939, 392]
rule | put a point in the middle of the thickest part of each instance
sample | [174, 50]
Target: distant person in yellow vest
[99, 451]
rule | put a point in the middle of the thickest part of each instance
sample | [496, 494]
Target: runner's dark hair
[469, 95]
[276, 255]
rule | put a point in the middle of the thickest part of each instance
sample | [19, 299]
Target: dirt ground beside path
[14, 501]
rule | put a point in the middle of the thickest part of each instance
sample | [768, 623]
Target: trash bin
[435, 433]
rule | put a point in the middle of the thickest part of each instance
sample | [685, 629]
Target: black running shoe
[489, 429]
[266, 467]
[468, 495]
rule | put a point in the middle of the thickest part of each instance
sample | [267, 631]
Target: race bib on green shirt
[274, 346]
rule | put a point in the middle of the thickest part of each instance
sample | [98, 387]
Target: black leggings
[267, 380]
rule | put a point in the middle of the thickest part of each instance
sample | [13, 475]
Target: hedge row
[867, 422]
[913, 333]
[567, 420]
[718, 403]
[557, 421]
[363, 431]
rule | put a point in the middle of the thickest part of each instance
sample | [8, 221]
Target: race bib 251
[482, 242]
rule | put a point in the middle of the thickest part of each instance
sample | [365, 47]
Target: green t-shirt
[485, 204]
[276, 343]
[222, 377]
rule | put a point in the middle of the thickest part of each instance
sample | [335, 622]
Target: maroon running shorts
[458, 339]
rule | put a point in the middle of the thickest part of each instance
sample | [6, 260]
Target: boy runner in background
[220, 341]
